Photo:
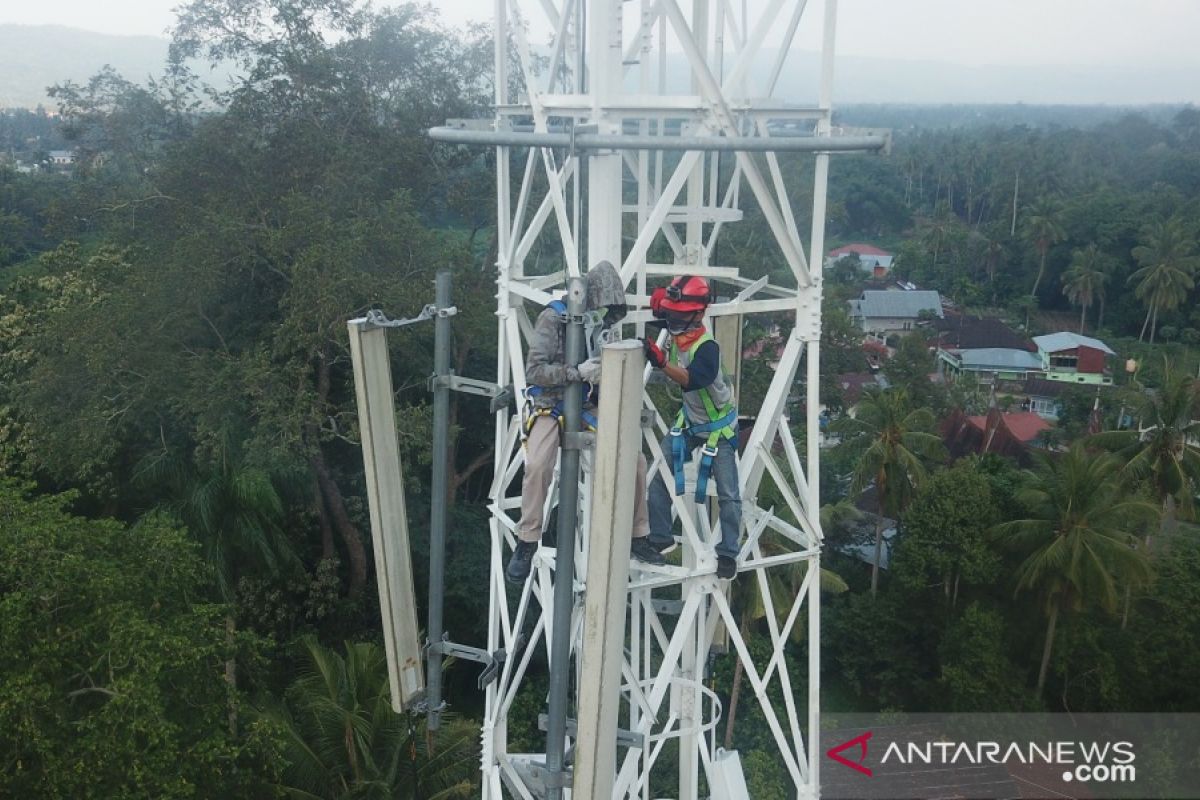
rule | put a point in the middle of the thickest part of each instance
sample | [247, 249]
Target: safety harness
[532, 412]
[722, 423]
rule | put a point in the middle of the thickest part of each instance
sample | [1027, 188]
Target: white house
[870, 258]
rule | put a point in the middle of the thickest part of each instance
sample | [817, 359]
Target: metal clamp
[551, 780]
[624, 738]
[464, 385]
[492, 661]
[578, 440]
[375, 318]
[502, 400]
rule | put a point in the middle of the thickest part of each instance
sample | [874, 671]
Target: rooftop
[860, 249]
[1024, 425]
[963, 331]
[904, 305]
[1001, 358]
[853, 383]
[1063, 340]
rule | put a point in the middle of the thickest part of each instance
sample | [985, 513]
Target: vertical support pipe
[564, 561]
[603, 646]
[812, 428]
[437, 514]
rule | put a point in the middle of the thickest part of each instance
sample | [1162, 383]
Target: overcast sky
[1115, 33]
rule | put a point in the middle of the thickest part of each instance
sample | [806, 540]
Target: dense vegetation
[186, 596]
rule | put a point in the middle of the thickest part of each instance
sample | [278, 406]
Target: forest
[187, 599]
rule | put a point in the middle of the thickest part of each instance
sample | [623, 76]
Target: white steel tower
[645, 128]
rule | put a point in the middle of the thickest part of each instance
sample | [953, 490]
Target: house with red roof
[871, 259]
[1007, 434]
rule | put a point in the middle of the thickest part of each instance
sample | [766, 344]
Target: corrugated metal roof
[1000, 358]
[904, 305]
[1064, 340]
[861, 249]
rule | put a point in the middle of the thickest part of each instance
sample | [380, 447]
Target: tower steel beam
[604, 158]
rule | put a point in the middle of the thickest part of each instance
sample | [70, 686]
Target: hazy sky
[1145, 33]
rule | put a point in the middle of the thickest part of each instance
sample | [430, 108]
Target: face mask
[679, 324]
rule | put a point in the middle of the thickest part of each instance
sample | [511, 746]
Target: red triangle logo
[859, 741]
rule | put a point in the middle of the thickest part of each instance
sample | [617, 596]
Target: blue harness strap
[712, 432]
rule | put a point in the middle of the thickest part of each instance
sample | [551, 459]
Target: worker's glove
[654, 354]
[590, 370]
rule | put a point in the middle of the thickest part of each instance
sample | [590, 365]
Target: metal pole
[437, 515]
[777, 142]
[564, 561]
[602, 650]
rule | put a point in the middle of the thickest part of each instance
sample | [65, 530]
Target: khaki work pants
[541, 451]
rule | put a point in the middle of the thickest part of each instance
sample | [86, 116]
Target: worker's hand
[590, 370]
[654, 354]
[571, 374]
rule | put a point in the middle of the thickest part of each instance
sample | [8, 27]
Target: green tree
[1076, 537]
[1083, 282]
[111, 673]
[895, 444]
[1043, 230]
[1163, 453]
[341, 739]
[909, 368]
[234, 509]
[1168, 260]
[943, 533]
[977, 670]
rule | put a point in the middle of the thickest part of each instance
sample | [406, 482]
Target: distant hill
[35, 57]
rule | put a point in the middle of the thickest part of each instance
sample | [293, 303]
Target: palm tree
[936, 231]
[1043, 230]
[1077, 537]
[234, 509]
[1169, 263]
[341, 738]
[1164, 453]
[896, 445]
[1084, 281]
[992, 255]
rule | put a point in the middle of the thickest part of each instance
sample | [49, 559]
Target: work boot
[726, 567]
[641, 549]
[521, 562]
[663, 546]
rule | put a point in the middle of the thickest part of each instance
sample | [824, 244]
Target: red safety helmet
[687, 293]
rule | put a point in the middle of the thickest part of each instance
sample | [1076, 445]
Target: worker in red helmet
[707, 420]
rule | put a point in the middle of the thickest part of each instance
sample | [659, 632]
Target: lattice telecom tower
[636, 132]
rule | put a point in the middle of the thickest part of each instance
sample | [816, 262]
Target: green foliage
[978, 673]
[112, 674]
[944, 533]
[895, 443]
[910, 368]
[882, 648]
[1077, 537]
[1169, 263]
[340, 738]
[1164, 455]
